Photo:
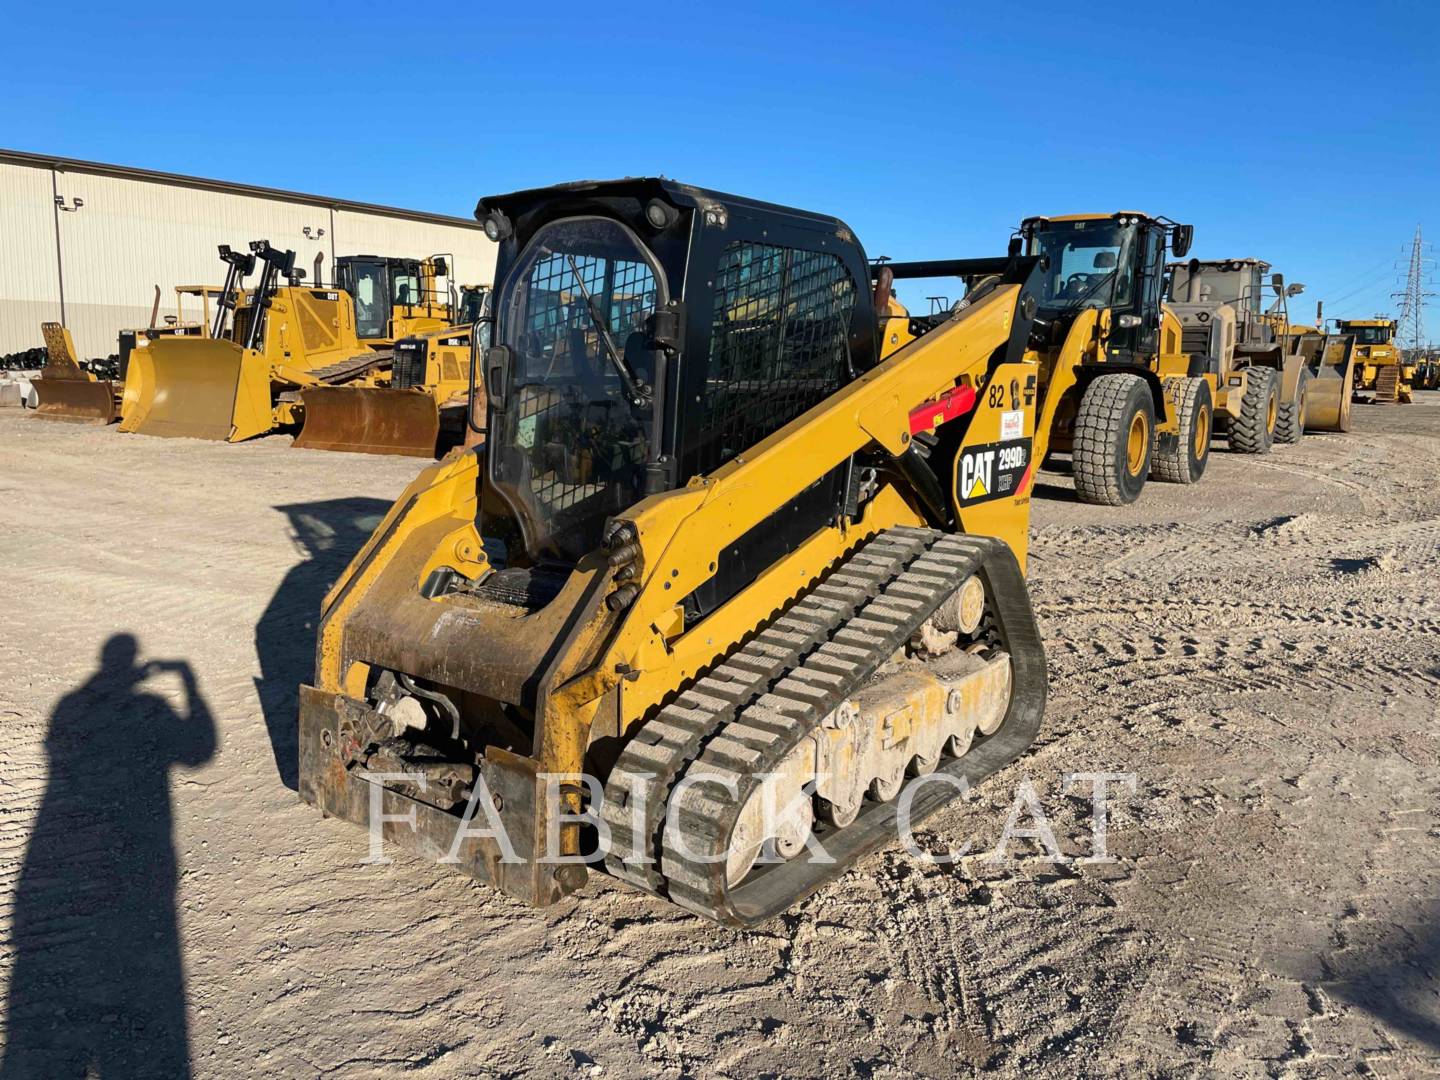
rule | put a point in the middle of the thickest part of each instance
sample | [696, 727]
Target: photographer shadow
[327, 535]
[97, 987]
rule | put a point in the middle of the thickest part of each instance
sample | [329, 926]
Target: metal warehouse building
[85, 244]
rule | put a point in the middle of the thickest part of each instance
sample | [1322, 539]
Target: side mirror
[1277, 282]
[1180, 242]
[441, 267]
[497, 374]
[1016, 246]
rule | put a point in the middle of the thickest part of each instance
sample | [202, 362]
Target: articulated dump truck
[268, 344]
[729, 593]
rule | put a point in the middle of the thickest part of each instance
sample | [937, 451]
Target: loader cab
[387, 290]
[645, 332]
[1240, 284]
[472, 304]
[1112, 262]
[1368, 332]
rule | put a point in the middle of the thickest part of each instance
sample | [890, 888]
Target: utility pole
[1411, 331]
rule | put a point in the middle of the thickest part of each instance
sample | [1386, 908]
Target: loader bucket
[79, 400]
[198, 388]
[1327, 399]
[369, 420]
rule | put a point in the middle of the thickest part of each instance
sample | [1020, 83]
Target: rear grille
[1195, 339]
[409, 365]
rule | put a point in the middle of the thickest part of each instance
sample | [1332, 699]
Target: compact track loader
[426, 389]
[281, 338]
[1382, 377]
[722, 588]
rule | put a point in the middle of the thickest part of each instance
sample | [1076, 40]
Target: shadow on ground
[327, 535]
[97, 987]
[1396, 979]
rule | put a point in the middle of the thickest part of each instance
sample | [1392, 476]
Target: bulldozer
[1382, 377]
[93, 391]
[283, 336]
[425, 393]
[729, 590]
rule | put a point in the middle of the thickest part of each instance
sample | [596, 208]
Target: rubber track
[651, 762]
[872, 605]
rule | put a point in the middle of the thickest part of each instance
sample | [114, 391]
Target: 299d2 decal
[992, 471]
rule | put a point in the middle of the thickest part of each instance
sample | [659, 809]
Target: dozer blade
[199, 389]
[1327, 397]
[369, 420]
[77, 400]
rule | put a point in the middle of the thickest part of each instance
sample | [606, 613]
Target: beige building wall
[119, 236]
[29, 283]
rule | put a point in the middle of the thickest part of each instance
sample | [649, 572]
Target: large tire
[1254, 429]
[1185, 462]
[1290, 417]
[1114, 440]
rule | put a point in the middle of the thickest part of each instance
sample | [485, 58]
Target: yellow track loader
[704, 611]
[1381, 375]
[427, 389]
[284, 337]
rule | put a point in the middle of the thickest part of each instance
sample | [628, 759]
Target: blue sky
[1307, 133]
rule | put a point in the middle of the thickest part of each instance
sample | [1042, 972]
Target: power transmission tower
[1411, 331]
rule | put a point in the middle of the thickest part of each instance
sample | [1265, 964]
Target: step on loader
[724, 597]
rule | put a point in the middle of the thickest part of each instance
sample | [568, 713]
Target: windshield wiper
[637, 391]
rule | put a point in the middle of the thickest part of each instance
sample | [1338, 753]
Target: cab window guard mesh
[778, 343]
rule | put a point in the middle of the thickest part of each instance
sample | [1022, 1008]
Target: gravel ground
[1261, 655]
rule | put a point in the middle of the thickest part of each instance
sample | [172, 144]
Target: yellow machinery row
[368, 364]
[733, 590]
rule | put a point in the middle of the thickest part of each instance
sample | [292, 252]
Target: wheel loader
[725, 597]
[93, 392]
[425, 391]
[284, 336]
[1112, 388]
[1220, 304]
[1381, 375]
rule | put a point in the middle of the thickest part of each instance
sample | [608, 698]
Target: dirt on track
[1262, 653]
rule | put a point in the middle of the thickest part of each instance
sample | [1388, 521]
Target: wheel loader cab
[1101, 342]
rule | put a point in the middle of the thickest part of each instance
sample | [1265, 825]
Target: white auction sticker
[1012, 424]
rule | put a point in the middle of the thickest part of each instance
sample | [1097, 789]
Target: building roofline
[230, 187]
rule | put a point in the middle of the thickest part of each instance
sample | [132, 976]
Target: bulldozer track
[738, 723]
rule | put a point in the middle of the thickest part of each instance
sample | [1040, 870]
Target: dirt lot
[1262, 654]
